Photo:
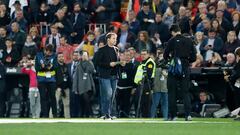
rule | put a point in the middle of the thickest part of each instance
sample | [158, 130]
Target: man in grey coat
[83, 84]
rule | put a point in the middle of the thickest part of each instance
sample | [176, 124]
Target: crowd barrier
[44, 29]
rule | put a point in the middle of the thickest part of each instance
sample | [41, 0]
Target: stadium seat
[209, 109]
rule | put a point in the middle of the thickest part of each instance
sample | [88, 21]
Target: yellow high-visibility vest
[139, 73]
[43, 74]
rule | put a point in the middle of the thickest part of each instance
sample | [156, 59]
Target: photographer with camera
[45, 64]
[234, 79]
[63, 85]
[160, 91]
[144, 79]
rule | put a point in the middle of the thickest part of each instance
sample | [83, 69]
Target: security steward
[144, 79]
[180, 47]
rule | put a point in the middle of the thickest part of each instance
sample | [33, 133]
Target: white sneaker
[188, 118]
[102, 117]
[172, 119]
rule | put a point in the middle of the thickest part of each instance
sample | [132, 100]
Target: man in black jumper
[107, 68]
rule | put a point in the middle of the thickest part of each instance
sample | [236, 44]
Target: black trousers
[145, 101]
[146, 104]
[86, 105]
[237, 97]
[178, 86]
[2, 98]
[74, 105]
[2, 103]
[123, 102]
[80, 105]
[48, 99]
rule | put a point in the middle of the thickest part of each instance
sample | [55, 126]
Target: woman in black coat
[11, 55]
[231, 44]
[218, 28]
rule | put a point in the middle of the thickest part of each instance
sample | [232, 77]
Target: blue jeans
[107, 94]
[163, 98]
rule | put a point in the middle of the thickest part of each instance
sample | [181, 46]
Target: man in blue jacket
[45, 64]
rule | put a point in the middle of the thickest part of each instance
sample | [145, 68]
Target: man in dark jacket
[43, 15]
[74, 97]
[179, 47]
[145, 16]
[125, 36]
[18, 36]
[63, 85]
[3, 37]
[183, 20]
[211, 44]
[54, 7]
[125, 84]
[107, 68]
[160, 28]
[78, 20]
[101, 10]
[63, 23]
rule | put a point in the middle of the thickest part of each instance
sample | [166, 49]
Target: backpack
[175, 66]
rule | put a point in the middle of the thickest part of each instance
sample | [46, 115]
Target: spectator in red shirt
[34, 95]
[66, 49]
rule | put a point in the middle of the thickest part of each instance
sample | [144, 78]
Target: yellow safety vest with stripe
[43, 74]
[139, 73]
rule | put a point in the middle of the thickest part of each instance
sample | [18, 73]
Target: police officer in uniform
[179, 47]
[144, 78]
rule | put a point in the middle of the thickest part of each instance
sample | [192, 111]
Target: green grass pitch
[119, 127]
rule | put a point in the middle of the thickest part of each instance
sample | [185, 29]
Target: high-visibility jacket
[140, 70]
[43, 73]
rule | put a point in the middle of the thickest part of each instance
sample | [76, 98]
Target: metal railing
[44, 28]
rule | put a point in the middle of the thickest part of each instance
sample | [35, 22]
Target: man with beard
[63, 85]
[78, 20]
